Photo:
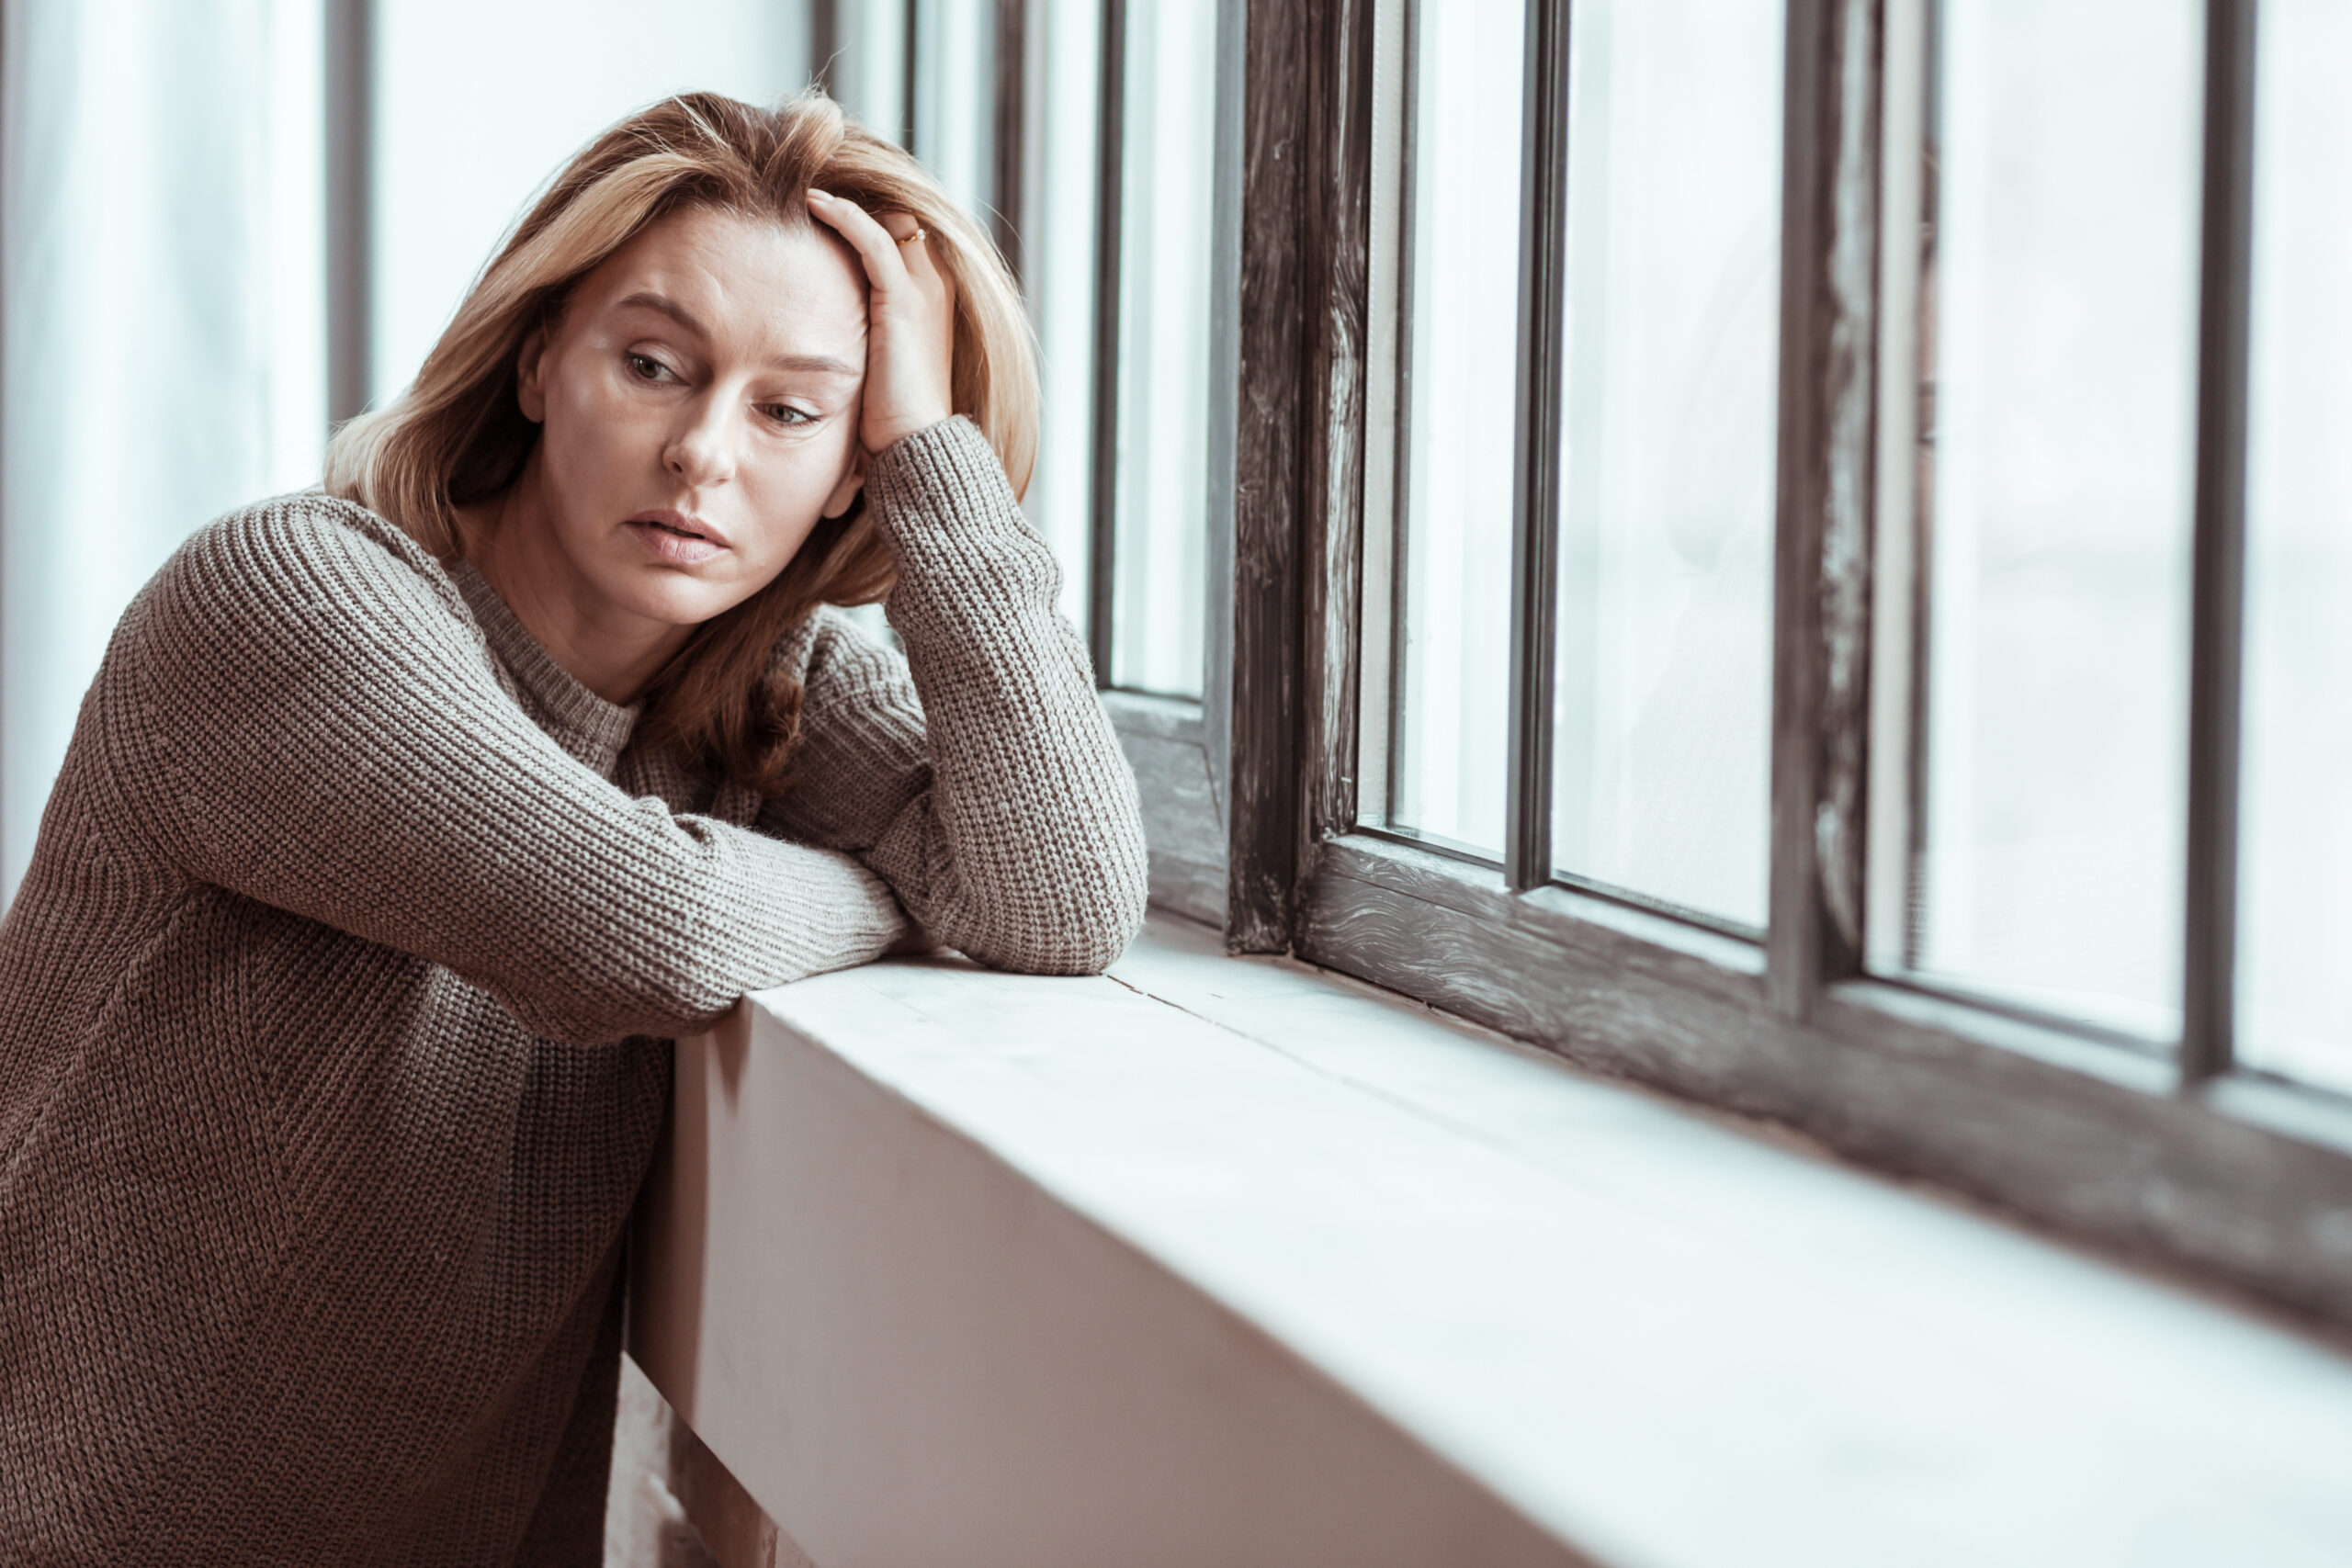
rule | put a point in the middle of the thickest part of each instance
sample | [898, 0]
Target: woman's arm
[988, 789]
[298, 709]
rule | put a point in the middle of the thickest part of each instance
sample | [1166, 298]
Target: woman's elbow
[604, 1017]
[663, 990]
[1082, 929]
[1092, 943]
[1075, 949]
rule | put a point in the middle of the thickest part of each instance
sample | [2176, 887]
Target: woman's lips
[676, 539]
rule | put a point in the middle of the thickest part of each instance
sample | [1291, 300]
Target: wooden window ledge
[1219, 1261]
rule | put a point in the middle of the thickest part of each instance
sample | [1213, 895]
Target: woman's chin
[674, 597]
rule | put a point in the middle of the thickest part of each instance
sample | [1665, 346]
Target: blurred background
[177, 228]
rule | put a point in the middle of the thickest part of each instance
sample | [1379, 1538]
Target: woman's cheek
[622, 429]
[786, 501]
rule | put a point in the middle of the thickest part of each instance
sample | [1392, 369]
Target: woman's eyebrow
[646, 298]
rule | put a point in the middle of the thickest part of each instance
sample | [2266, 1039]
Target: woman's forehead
[748, 285]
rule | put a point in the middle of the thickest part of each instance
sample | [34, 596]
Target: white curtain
[162, 331]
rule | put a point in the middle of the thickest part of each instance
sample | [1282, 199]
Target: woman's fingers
[911, 320]
[876, 246]
[912, 244]
[914, 254]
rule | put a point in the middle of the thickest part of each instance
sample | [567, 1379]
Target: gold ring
[912, 238]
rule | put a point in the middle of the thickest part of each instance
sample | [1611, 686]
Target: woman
[406, 821]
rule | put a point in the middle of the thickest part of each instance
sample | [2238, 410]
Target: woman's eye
[646, 367]
[784, 413]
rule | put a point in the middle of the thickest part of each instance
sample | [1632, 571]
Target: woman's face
[698, 405]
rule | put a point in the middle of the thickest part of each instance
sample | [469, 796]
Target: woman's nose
[702, 452]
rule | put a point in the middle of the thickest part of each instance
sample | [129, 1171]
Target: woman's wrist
[904, 430]
[939, 495]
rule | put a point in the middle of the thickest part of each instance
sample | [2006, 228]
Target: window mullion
[1223, 489]
[911, 77]
[825, 44]
[350, 160]
[2218, 547]
[1009, 143]
[1110, 175]
[1277, 337]
[1342, 363]
[1821, 591]
[1536, 522]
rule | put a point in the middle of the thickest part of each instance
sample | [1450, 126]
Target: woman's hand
[909, 321]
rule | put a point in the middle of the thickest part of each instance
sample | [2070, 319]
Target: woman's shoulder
[310, 528]
[304, 586]
[305, 551]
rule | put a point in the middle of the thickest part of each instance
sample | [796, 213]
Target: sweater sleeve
[298, 709]
[979, 774]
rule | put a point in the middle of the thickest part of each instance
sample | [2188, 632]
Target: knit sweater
[336, 1009]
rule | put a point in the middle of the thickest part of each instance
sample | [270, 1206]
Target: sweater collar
[585, 724]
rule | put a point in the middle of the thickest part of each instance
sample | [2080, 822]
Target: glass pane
[1159, 568]
[868, 69]
[1662, 768]
[2295, 930]
[1058, 268]
[2057, 360]
[1461, 366]
[955, 107]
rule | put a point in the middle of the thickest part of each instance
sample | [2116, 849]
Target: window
[2033, 795]
[1056, 246]
[1792, 549]
[1660, 518]
[1158, 452]
[2295, 994]
[1737, 539]
[952, 97]
[1444, 671]
[1661, 759]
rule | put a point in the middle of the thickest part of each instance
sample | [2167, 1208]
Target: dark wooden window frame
[1250, 795]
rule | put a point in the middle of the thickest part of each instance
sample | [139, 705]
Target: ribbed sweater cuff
[940, 499]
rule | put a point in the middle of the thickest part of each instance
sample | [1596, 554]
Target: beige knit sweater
[334, 1009]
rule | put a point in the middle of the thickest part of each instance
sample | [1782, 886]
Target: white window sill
[1214, 1262]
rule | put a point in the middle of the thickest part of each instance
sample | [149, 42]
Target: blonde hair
[457, 434]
